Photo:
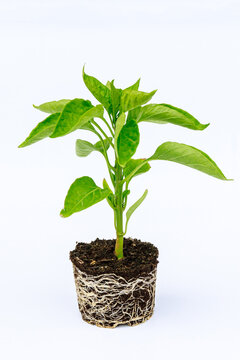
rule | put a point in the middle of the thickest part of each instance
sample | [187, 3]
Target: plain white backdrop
[190, 51]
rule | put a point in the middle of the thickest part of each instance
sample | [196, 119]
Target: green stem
[110, 167]
[119, 212]
[109, 127]
[111, 119]
[125, 203]
[103, 132]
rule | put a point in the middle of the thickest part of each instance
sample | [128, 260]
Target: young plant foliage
[84, 148]
[132, 164]
[52, 107]
[134, 207]
[44, 129]
[127, 142]
[98, 90]
[75, 115]
[82, 194]
[130, 99]
[189, 156]
[163, 114]
[118, 133]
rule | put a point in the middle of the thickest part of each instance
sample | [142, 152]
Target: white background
[190, 51]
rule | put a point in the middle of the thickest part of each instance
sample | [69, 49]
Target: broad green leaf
[164, 113]
[134, 207]
[130, 99]
[127, 142]
[132, 164]
[84, 148]
[110, 197]
[115, 99]
[99, 91]
[42, 130]
[189, 156]
[135, 86]
[82, 194]
[75, 115]
[119, 124]
[52, 107]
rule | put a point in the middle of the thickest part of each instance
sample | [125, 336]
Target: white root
[109, 300]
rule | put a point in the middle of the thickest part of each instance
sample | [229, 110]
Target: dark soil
[98, 257]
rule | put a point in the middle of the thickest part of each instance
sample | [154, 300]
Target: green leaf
[99, 145]
[75, 115]
[164, 113]
[108, 85]
[125, 194]
[52, 107]
[127, 142]
[84, 148]
[130, 99]
[88, 126]
[134, 114]
[82, 194]
[134, 207]
[132, 164]
[135, 86]
[124, 198]
[99, 91]
[189, 156]
[119, 124]
[115, 99]
[42, 130]
[110, 197]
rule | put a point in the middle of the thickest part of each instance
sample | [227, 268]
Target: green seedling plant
[119, 132]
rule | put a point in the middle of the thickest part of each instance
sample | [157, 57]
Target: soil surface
[98, 257]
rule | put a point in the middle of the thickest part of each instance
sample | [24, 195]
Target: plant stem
[119, 212]
[110, 167]
[109, 127]
[103, 132]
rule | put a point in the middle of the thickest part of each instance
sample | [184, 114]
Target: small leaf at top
[82, 194]
[108, 85]
[134, 207]
[130, 99]
[164, 113]
[44, 129]
[75, 115]
[135, 86]
[127, 142]
[189, 156]
[99, 91]
[115, 99]
[84, 148]
[52, 107]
